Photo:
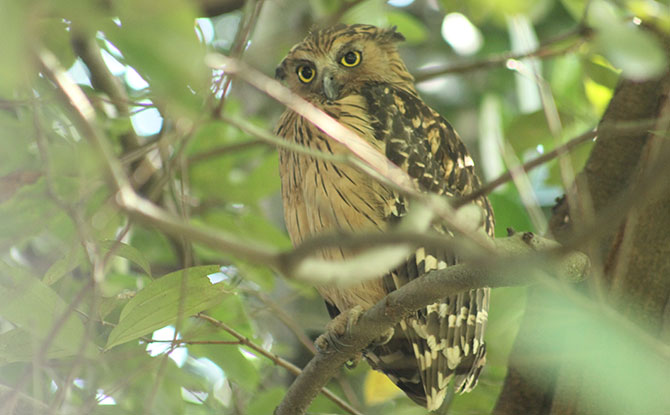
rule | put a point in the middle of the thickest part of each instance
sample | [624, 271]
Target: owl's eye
[351, 59]
[306, 73]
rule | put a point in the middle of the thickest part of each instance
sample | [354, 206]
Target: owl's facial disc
[331, 87]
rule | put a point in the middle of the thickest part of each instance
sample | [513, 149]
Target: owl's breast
[322, 197]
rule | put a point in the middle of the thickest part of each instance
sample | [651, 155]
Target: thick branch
[413, 296]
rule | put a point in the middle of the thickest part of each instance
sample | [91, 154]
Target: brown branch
[525, 168]
[87, 49]
[413, 296]
[277, 360]
[239, 45]
[224, 150]
[546, 50]
[567, 147]
[285, 318]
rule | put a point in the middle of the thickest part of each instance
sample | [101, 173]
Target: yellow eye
[351, 59]
[306, 74]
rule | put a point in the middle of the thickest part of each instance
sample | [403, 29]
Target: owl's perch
[421, 292]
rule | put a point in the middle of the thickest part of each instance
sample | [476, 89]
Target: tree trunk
[626, 187]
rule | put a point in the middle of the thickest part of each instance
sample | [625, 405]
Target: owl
[355, 74]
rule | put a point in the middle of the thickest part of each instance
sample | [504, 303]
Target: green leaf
[160, 43]
[128, 252]
[625, 375]
[14, 49]
[107, 305]
[527, 131]
[57, 37]
[63, 266]
[575, 8]
[510, 212]
[412, 28]
[601, 71]
[157, 305]
[368, 12]
[637, 53]
[32, 305]
[234, 364]
[19, 345]
[266, 401]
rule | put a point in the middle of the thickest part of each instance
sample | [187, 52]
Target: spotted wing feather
[446, 338]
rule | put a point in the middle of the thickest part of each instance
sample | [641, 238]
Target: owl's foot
[384, 338]
[336, 328]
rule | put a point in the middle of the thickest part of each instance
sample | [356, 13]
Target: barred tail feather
[441, 343]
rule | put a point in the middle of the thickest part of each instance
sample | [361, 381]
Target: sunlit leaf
[601, 71]
[159, 304]
[379, 388]
[598, 95]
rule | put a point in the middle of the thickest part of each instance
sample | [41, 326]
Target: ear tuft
[394, 35]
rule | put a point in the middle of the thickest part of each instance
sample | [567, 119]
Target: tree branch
[295, 370]
[415, 295]
[526, 167]
[546, 50]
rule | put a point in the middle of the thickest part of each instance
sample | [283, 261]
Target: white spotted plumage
[443, 342]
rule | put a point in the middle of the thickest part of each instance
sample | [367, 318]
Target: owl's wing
[446, 338]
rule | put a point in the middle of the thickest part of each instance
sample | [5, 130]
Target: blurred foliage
[80, 283]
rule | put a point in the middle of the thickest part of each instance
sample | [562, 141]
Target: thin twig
[238, 48]
[182, 341]
[295, 370]
[285, 318]
[544, 51]
[526, 167]
[225, 150]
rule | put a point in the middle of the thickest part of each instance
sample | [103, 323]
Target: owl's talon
[384, 338]
[337, 328]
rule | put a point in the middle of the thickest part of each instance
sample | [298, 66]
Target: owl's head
[333, 63]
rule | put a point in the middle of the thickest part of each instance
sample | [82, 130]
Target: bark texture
[627, 181]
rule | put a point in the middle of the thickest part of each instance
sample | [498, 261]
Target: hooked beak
[330, 87]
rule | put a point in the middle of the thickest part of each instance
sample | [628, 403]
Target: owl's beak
[330, 87]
